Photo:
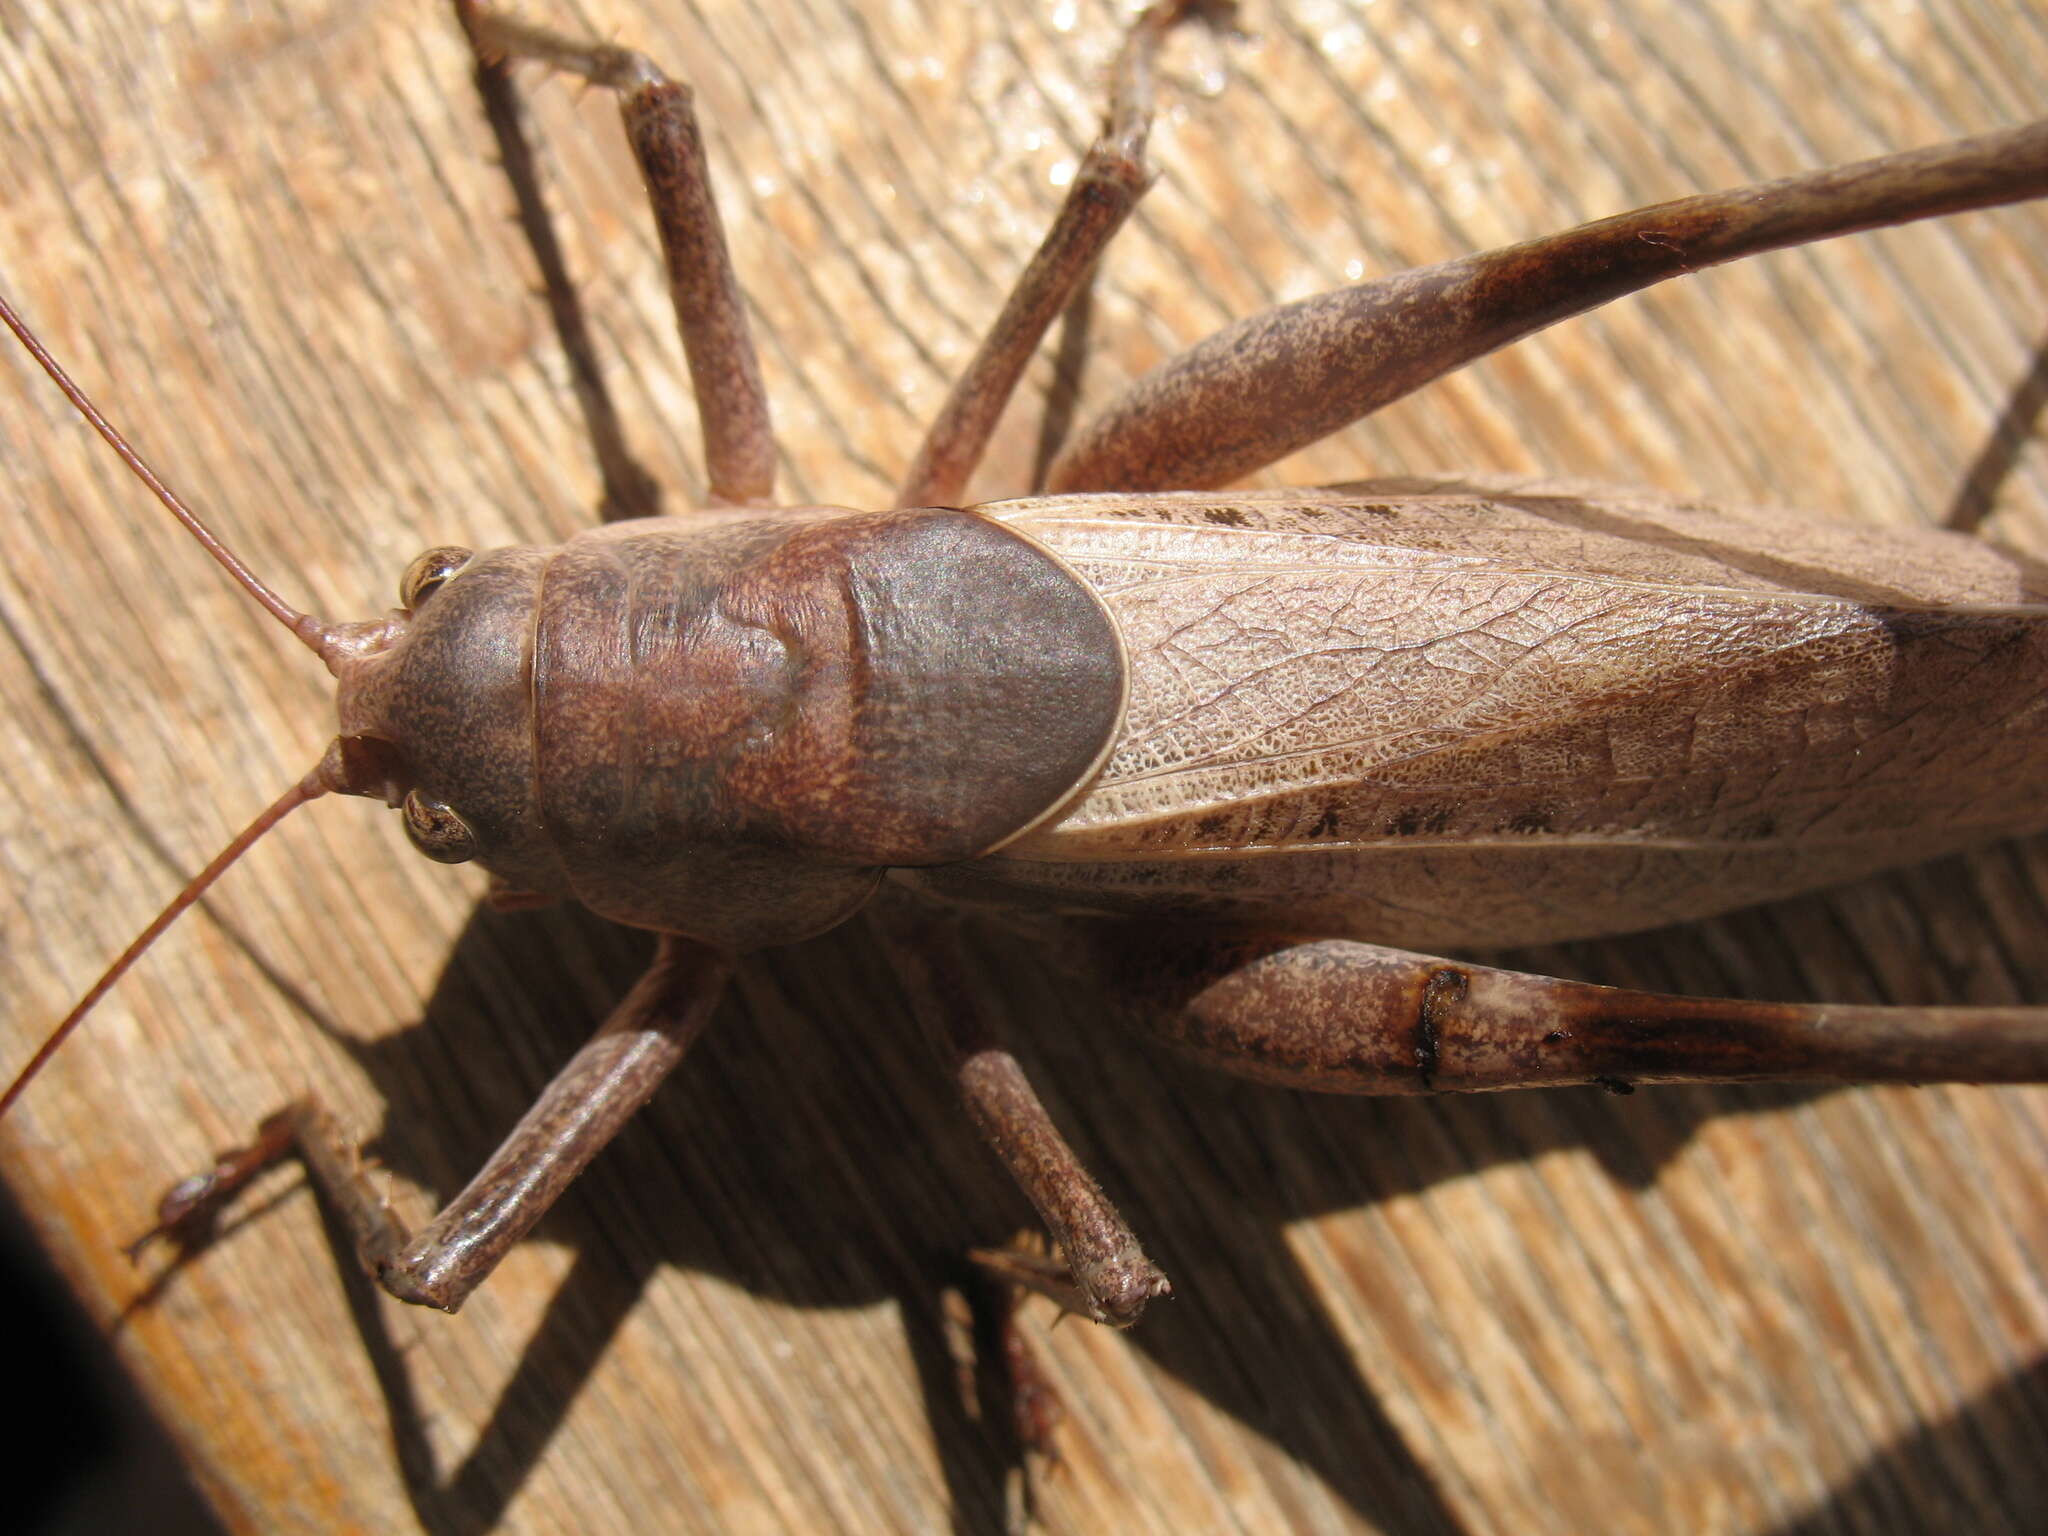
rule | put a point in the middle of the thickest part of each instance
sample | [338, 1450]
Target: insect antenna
[306, 789]
[330, 642]
[322, 638]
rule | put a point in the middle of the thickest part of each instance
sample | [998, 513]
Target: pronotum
[339, 179]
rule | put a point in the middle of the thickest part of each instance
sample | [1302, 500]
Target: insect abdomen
[1507, 713]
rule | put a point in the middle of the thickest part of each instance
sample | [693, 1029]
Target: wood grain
[270, 239]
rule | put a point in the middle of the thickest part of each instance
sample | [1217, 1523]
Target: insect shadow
[812, 1153]
[1973, 1465]
[2016, 427]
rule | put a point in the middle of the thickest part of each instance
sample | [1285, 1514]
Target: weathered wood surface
[269, 237]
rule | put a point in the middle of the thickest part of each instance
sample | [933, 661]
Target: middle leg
[1101, 1272]
[1111, 179]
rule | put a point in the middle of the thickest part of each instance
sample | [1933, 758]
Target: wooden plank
[269, 238]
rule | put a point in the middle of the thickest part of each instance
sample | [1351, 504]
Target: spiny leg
[661, 125]
[575, 1117]
[1111, 179]
[1336, 1016]
[1102, 1272]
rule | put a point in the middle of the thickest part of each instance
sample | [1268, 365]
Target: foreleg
[661, 124]
[575, 1116]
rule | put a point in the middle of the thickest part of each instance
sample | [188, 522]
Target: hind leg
[1337, 1016]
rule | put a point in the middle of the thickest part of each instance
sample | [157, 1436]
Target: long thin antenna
[315, 633]
[309, 788]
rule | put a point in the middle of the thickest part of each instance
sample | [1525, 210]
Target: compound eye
[437, 831]
[425, 575]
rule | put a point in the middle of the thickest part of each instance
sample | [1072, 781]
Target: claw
[186, 1212]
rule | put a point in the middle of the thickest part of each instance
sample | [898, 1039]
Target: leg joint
[1445, 988]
